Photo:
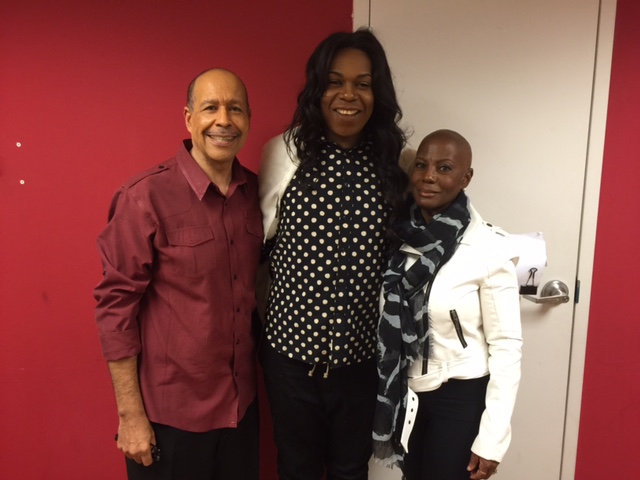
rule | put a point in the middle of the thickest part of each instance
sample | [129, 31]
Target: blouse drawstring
[313, 370]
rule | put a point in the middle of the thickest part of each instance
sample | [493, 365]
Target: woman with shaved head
[449, 338]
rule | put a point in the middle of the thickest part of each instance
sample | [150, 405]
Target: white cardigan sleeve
[274, 174]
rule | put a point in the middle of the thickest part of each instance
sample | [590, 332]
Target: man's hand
[481, 468]
[135, 434]
[135, 437]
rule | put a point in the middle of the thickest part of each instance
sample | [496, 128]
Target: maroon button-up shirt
[178, 290]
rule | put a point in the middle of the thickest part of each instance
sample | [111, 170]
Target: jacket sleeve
[500, 306]
[274, 174]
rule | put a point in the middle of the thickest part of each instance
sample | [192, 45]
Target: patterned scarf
[403, 329]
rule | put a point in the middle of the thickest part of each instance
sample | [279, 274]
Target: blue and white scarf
[403, 329]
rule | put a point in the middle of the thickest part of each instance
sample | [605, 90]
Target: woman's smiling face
[347, 104]
[441, 170]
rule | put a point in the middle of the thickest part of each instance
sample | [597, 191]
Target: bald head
[463, 148]
[213, 74]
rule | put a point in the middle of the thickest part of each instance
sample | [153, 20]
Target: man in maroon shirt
[174, 308]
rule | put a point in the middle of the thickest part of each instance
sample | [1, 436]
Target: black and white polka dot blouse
[327, 261]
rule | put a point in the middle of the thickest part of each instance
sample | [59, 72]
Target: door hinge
[576, 296]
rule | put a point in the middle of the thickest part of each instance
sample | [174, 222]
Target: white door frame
[588, 224]
[588, 227]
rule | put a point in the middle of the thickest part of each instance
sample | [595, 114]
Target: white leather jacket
[479, 282]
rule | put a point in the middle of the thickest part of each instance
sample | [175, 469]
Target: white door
[517, 80]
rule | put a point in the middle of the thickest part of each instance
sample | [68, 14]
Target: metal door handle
[553, 292]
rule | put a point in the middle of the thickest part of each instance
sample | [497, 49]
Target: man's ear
[187, 118]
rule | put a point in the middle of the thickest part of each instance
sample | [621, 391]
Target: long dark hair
[388, 139]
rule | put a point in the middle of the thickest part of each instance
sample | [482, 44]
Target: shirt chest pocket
[251, 245]
[191, 251]
[253, 224]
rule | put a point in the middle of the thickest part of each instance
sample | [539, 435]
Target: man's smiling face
[218, 117]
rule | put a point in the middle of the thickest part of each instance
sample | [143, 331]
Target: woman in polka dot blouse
[328, 187]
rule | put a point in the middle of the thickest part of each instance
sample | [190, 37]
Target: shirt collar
[365, 144]
[196, 177]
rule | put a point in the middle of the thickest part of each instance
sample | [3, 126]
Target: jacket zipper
[456, 323]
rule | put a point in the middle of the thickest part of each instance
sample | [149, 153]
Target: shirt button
[231, 242]
[237, 309]
[237, 342]
[235, 277]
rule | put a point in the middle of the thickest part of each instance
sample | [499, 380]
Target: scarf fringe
[385, 454]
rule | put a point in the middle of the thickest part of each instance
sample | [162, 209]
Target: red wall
[93, 92]
[610, 418]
